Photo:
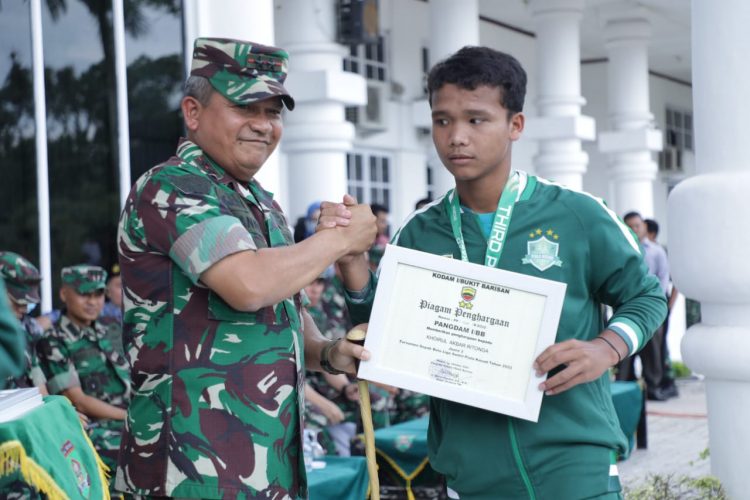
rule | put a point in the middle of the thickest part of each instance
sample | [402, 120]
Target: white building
[614, 87]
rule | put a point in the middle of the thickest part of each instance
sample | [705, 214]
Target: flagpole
[42, 164]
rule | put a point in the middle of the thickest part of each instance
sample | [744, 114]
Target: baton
[357, 336]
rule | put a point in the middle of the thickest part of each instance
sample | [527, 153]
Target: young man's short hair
[652, 226]
[472, 67]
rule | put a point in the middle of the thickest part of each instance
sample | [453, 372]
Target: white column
[316, 134]
[241, 20]
[709, 233]
[560, 127]
[632, 137]
[453, 24]
[42, 166]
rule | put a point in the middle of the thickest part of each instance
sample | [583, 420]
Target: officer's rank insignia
[467, 294]
[542, 250]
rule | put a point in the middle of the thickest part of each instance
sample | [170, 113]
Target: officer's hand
[344, 353]
[583, 361]
[335, 214]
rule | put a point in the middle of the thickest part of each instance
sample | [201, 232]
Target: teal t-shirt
[485, 220]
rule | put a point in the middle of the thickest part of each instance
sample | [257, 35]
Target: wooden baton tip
[356, 336]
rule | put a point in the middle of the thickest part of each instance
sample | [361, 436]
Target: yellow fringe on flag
[13, 458]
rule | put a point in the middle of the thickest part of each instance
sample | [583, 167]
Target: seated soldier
[81, 363]
[22, 284]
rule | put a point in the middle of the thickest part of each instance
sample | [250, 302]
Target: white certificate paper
[461, 331]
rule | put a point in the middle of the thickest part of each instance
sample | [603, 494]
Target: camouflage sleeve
[35, 371]
[56, 365]
[207, 242]
[179, 214]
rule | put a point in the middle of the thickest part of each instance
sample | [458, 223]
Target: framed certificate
[461, 331]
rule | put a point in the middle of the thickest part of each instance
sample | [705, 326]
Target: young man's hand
[582, 361]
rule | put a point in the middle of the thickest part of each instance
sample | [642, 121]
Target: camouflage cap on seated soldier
[243, 72]
[84, 278]
[21, 278]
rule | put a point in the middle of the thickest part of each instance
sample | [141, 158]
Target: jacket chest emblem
[542, 249]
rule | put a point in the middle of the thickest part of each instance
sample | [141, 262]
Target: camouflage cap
[243, 72]
[21, 278]
[84, 278]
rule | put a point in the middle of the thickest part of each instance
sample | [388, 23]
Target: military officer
[213, 324]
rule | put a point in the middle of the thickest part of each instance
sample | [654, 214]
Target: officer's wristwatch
[325, 361]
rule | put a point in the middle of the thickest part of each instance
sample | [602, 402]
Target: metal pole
[42, 178]
[121, 79]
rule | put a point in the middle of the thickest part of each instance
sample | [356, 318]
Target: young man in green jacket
[508, 219]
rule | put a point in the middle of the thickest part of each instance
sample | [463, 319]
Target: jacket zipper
[519, 463]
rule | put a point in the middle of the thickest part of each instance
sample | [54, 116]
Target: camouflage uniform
[71, 356]
[22, 281]
[218, 392]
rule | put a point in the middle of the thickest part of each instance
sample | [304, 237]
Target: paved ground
[677, 436]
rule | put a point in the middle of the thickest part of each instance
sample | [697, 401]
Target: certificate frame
[423, 340]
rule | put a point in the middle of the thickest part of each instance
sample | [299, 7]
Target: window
[367, 59]
[369, 177]
[678, 138]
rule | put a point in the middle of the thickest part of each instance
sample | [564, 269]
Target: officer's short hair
[199, 88]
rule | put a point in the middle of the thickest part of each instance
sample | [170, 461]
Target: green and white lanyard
[500, 223]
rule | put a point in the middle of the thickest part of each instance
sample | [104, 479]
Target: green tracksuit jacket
[568, 236]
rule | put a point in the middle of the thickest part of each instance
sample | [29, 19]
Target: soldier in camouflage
[81, 363]
[22, 283]
[213, 326]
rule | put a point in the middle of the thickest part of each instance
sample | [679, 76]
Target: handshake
[354, 222]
